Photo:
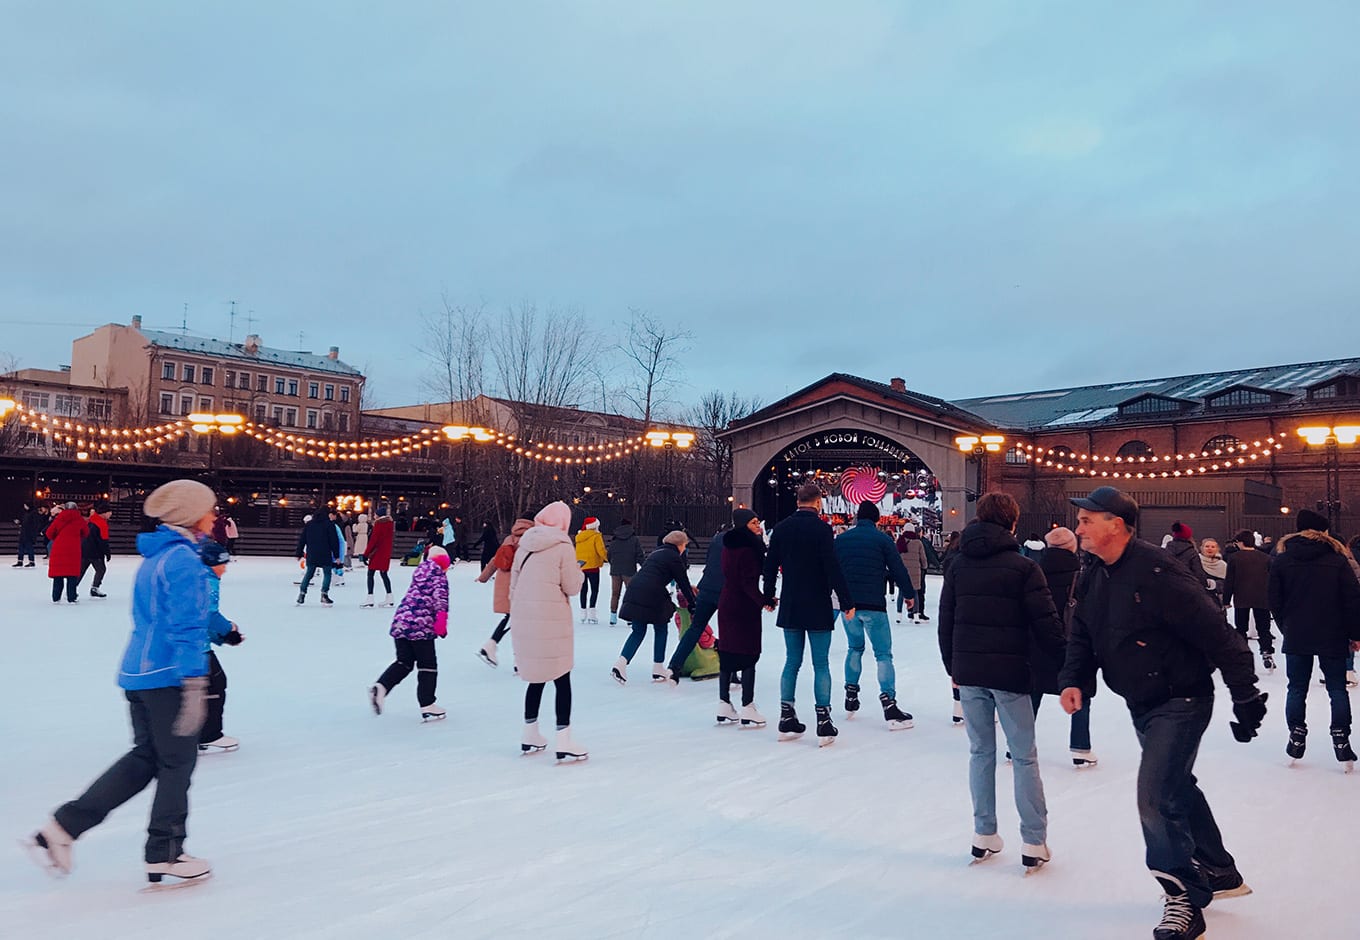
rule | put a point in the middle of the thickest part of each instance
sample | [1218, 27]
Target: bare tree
[455, 346]
[712, 414]
[652, 353]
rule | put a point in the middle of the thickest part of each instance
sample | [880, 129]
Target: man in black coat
[624, 554]
[995, 609]
[29, 523]
[1316, 599]
[1246, 591]
[1157, 636]
[803, 548]
[319, 545]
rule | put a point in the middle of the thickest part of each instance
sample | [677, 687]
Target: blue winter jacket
[170, 613]
[218, 626]
[868, 559]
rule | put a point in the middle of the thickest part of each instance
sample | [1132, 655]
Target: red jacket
[66, 533]
[379, 552]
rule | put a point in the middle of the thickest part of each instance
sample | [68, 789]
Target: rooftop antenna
[184, 322]
[231, 330]
[300, 335]
[250, 321]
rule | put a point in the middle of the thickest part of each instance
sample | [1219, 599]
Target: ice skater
[421, 618]
[499, 567]
[164, 679]
[221, 632]
[66, 533]
[591, 556]
[648, 603]
[319, 545]
[742, 556]
[378, 557]
[94, 551]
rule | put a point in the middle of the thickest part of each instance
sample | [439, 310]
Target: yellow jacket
[590, 549]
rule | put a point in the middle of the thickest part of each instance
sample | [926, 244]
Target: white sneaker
[986, 846]
[50, 848]
[620, 671]
[660, 672]
[567, 748]
[750, 718]
[532, 742]
[376, 694]
[221, 746]
[487, 654]
[185, 868]
[727, 715]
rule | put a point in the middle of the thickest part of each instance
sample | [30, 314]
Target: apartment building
[170, 375]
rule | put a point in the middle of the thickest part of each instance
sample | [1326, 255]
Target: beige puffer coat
[543, 581]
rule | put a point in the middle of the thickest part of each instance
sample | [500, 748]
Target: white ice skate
[186, 868]
[727, 715]
[585, 617]
[50, 849]
[591, 617]
[620, 671]
[1082, 759]
[487, 654]
[660, 672]
[388, 603]
[376, 693]
[984, 847]
[222, 745]
[432, 712]
[568, 750]
[532, 742]
[368, 601]
[750, 718]
[1034, 857]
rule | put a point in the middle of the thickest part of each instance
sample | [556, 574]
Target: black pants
[26, 548]
[703, 612]
[157, 754]
[1263, 634]
[386, 581]
[70, 583]
[590, 586]
[533, 700]
[217, 700]
[418, 655]
[501, 630]
[99, 570]
[728, 665]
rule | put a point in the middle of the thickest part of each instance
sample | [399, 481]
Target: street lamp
[206, 423]
[6, 406]
[1331, 439]
[979, 446]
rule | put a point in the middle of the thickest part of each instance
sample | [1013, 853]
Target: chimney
[252, 346]
[334, 354]
[898, 385]
[137, 321]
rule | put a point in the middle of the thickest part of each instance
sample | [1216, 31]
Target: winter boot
[326, 600]
[1083, 758]
[388, 603]
[487, 653]
[1034, 857]
[222, 745]
[826, 731]
[613, 618]
[1298, 740]
[377, 692]
[185, 868]
[50, 847]
[958, 710]
[532, 742]
[897, 719]
[432, 712]
[727, 715]
[368, 601]
[1181, 920]
[789, 725]
[620, 671]
[95, 592]
[568, 749]
[750, 718]
[984, 847]
[1341, 741]
[851, 699]
[660, 673]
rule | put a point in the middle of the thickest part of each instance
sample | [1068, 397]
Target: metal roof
[263, 355]
[1095, 404]
[939, 406]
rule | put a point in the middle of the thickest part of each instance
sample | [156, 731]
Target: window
[1151, 404]
[208, 375]
[244, 380]
[344, 393]
[205, 404]
[260, 413]
[279, 386]
[290, 417]
[1344, 386]
[37, 401]
[1221, 444]
[311, 418]
[293, 387]
[278, 415]
[344, 423]
[1016, 455]
[168, 371]
[101, 409]
[186, 404]
[328, 421]
[313, 390]
[1134, 449]
[261, 383]
[1238, 397]
[330, 393]
[231, 379]
[68, 406]
[189, 372]
[167, 403]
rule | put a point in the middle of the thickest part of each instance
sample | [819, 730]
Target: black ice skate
[897, 719]
[326, 600]
[790, 728]
[851, 699]
[826, 731]
[1224, 884]
[1341, 741]
[95, 592]
[1181, 920]
[1268, 661]
[1298, 740]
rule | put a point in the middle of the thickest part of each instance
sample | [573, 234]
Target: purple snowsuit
[426, 600]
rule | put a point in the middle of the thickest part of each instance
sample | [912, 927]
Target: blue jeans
[325, 578]
[630, 645]
[820, 641]
[1178, 826]
[1299, 669]
[874, 623]
[981, 708]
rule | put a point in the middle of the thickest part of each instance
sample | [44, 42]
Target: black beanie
[1307, 519]
[741, 518]
[867, 510]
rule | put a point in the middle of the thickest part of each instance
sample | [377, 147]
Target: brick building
[50, 392]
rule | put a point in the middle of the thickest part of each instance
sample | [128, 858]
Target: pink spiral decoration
[862, 483]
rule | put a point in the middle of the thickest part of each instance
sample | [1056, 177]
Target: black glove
[233, 639]
[1249, 715]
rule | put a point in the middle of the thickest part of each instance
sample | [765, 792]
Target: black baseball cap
[1108, 499]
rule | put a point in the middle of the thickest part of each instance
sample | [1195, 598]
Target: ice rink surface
[330, 822]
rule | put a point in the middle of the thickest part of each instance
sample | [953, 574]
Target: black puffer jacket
[994, 609]
[1314, 595]
[803, 549]
[318, 542]
[624, 552]
[1154, 631]
[1247, 583]
[648, 598]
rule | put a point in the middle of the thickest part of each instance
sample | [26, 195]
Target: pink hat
[1061, 537]
[557, 515]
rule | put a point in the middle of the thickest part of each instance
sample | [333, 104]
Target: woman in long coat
[739, 616]
[64, 557]
[543, 581]
[648, 603]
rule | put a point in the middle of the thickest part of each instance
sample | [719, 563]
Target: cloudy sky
[978, 197]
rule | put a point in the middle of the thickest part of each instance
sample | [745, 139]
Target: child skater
[499, 567]
[739, 610]
[221, 631]
[422, 615]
